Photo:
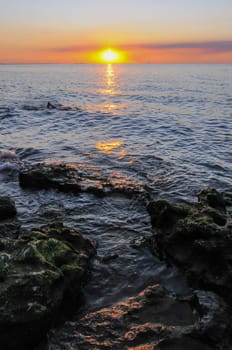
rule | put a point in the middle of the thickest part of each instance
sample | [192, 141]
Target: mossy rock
[37, 271]
[198, 238]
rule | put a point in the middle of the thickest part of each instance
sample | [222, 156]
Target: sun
[110, 56]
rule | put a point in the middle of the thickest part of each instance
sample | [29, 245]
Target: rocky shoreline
[41, 275]
[42, 271]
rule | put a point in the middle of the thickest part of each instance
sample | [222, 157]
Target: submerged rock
[7, 208]
[197, 238]
[76, 179]
[154, 319]
[41, 275]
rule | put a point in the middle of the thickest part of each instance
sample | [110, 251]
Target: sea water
[166, 126]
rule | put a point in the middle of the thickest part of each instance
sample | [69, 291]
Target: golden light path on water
[111, 147]
[110, 88]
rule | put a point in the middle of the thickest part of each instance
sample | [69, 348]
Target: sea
[168, 127]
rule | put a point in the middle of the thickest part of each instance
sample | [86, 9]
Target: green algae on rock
[197, 238]
[41, 274]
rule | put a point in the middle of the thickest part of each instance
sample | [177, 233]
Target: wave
[9, 161]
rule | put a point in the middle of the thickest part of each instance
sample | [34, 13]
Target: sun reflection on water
[110, 90]
[112, 147]
[110, 75]
[109, 80]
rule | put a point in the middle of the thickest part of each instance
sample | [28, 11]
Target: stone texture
[41, 275]
[154, 319]
[197, 238]
[76, 179]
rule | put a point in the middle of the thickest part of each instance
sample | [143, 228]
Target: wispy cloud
[208, 46]
[72, 48]
[214, 46]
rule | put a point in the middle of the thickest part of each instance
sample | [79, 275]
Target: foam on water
[9, 161]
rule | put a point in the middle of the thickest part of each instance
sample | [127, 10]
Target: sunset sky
[145, 31]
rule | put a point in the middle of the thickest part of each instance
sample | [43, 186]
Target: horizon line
[106, 64]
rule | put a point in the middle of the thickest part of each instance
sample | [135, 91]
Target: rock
[198, 239]
[76, 179]
[41, 274]
[59, 107]
[212, 198]
[42, 176]
[164, 214]
[7, 208]
[51, 105]
[108, 257]
[154, 319]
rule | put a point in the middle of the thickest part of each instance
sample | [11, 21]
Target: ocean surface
[167, 126]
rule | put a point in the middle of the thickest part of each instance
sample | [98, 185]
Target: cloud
[73, 48]
[214, 46]
[203, 46]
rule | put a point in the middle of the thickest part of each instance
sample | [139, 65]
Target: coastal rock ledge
[77, 178]
[198, 239]
[41, 273]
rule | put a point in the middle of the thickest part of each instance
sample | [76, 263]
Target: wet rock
[210, 197]
[7, 208]
[51, 106]
[60, 107]
[197, 238]
[109, 257]
[41, 274]
[42, 176]
[154, 319]
[76, 179]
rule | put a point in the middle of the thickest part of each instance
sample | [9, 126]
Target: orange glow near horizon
[108, 56]
[130, 54]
